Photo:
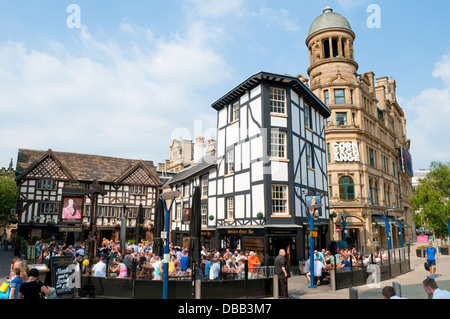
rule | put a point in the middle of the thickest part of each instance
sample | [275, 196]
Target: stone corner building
[367, 144]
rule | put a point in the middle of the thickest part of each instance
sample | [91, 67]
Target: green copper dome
[329, 19]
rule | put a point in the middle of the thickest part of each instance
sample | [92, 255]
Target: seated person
[344, 264]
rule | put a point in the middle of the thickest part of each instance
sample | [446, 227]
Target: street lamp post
[386, 222]
[399, 221]
[167, 196]
[310, 218]
[344, 223]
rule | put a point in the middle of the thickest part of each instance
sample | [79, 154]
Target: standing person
[253, 263]
[176, 263]
[184, 262]
[99, 269]
[208, 266]
[431, 257]
[431, 288]
[281, 270]
[215, 270]
[32, 289]
[16, 282]
[5, 240]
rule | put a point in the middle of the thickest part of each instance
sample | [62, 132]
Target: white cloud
[428, 129]
[278, 17]
[348, 5]
[215, 8]
[110, 100]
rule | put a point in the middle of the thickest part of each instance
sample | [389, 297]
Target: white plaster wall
[257, 200]
[242, 182]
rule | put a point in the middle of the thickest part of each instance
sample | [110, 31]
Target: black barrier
[396, 264]
[100, 287]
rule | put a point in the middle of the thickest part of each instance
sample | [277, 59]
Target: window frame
[338, 100]
[284, 199]
[235, 107]
[344, 188]
[43, 184]
[277, 149]
[309, 155]
[338, 121]
[229, 208]
[278, 106]
[230, 161]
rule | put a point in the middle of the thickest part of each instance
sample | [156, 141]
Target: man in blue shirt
[184, 262]
[345, 264]
[431, 257]
[208, 266]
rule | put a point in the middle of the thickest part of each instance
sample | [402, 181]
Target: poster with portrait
[186, 218]
[72, 209]
[311, 201]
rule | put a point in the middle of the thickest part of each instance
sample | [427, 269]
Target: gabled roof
[294, 82]
[84, 167]
[206, 163]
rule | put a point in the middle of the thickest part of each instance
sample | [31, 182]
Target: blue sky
[137, 74]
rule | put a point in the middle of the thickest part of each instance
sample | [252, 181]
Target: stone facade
[366, 139]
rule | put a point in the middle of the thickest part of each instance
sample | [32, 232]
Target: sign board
[186, 218]
[422, 239]
[406, 162]
[60, 275]
[39, 267]
[31, 252]
[314, 205]
[186, 242]
[72, 208]
[75, 229]
[314, 234]
[346, 152]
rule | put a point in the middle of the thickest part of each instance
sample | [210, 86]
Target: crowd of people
[344, 260]
[112, 260]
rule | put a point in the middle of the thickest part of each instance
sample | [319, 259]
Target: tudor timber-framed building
[270, 143]
[367, 144]
[43, 175]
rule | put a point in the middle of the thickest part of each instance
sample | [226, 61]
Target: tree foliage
[9, 194]
[430, 199]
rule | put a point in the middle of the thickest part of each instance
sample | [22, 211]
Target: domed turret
[330, 40]
[329, 19]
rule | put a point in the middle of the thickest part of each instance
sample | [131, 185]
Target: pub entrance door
[285, 243]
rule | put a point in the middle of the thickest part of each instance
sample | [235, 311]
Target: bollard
[353, 293]
[198, 289]
[333, 279]
[397, 288]
[275, 286]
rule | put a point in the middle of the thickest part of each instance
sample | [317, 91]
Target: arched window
[346, 188]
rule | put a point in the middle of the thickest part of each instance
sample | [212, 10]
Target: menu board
[60, 275]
